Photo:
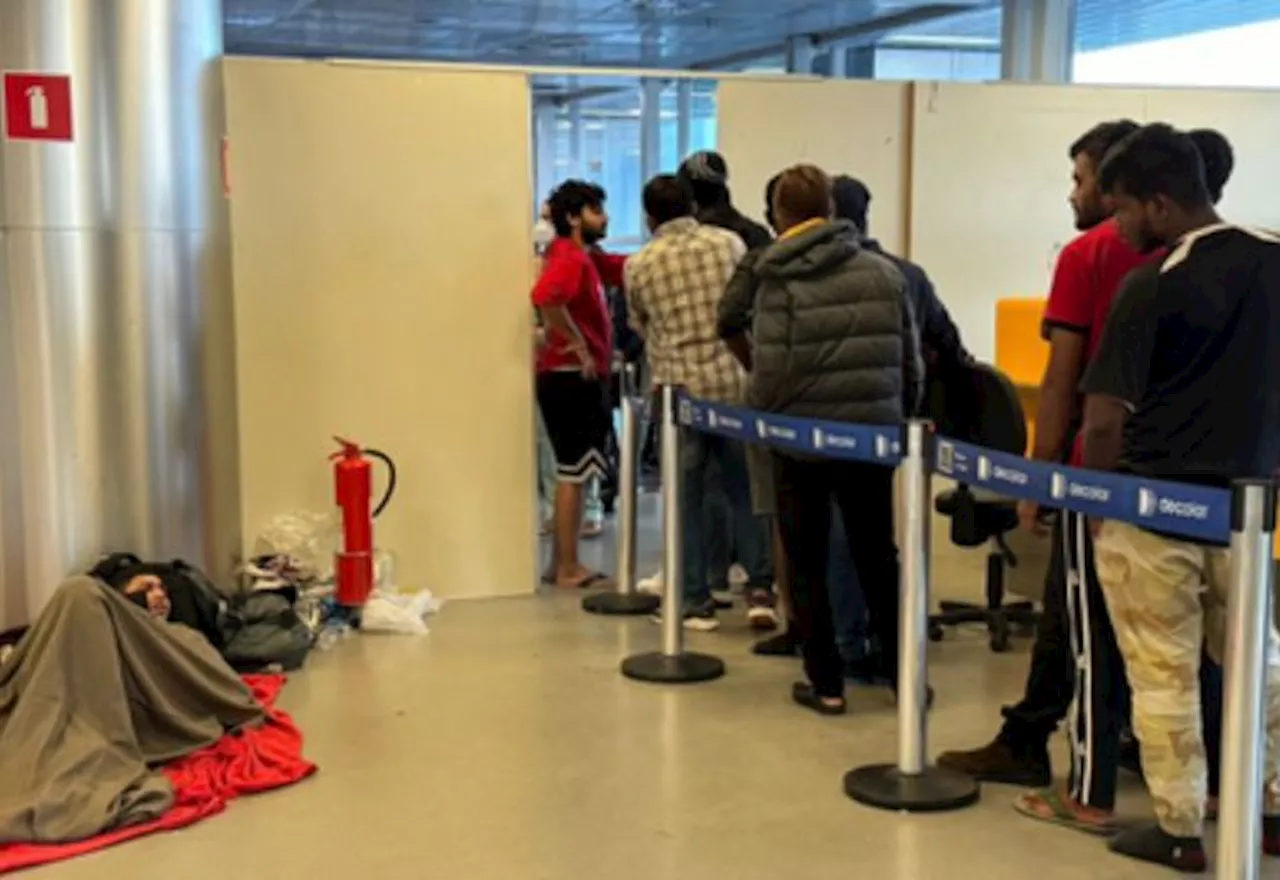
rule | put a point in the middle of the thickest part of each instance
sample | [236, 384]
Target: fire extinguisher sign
[37, 107]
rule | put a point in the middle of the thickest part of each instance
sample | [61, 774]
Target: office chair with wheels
[978, 404]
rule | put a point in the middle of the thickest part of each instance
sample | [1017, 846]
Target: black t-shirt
[1192, 345]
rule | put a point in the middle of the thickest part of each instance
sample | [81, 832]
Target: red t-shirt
[572, 278]
[1089, 271]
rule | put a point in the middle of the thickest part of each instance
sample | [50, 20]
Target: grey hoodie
[834, 335]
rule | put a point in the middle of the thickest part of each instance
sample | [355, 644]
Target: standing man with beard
[1076, 668]
[574, 363]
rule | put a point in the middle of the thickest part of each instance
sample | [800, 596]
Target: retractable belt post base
[932, 790]
[911, 784]
[626, 600]
[621, 603]
[673, 664]
[685, 668]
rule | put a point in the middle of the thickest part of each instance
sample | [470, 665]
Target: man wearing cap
[707, 176]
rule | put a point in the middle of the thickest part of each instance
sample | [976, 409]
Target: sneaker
[1151, 843]
[999, 763]
[697, 619]
[738, 576]
[784, 644]
[762, 611]
[652, 585]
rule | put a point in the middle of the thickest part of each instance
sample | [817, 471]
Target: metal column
[117, 381]
[801, 53]
[1038, 40]
[650, 128]
[684, 120]
[1249, 619]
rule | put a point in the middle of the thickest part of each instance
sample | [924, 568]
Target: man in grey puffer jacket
[834, 338]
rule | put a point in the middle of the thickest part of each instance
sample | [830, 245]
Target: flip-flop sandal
[594, 580]
[803, 694]
[1059, 813]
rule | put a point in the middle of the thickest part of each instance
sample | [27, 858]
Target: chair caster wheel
[935, 632]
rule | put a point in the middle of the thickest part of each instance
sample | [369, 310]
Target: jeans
[848, 605]
[718, 525]
[709, 464]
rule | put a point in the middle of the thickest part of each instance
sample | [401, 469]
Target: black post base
[686, 668]
[621, 603]
[933, 791]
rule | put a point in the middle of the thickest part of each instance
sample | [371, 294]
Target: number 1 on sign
[38, 105]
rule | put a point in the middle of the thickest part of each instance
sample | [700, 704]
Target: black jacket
[728, 217]
[940, 343]
[834, 334]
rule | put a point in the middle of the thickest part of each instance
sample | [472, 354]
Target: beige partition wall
[990, 181]
[843, 126]
[990, 176]
[381, 240]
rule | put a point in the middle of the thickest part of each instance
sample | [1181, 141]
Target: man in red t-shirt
[1076, 667]
[574, 362]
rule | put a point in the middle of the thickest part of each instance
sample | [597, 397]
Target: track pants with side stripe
[1100, 705]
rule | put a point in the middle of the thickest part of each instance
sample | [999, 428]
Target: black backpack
[193, 598]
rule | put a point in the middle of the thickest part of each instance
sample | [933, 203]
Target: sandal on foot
[804, 695]
[593, 580]
[1051, 806]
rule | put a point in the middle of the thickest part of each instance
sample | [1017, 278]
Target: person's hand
[589, 371]
[1029, 517]
[157, 597]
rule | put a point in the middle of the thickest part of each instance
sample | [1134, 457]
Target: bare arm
[1103, 432]
[1059, 398]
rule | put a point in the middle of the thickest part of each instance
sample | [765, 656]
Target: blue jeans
[848, 605]
[709, 464]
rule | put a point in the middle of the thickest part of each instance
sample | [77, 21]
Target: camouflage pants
[1168, 597]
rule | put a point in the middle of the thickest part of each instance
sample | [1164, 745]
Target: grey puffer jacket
[834, 333]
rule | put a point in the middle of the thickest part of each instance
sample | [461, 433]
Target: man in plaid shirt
[674, 286]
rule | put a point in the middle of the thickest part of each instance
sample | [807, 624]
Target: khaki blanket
[94, 697]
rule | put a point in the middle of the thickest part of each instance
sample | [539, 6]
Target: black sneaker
[784, 644]
[1151, 843]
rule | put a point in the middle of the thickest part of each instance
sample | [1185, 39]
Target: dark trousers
[1075, 621]
[1077, 672]
[864, 493]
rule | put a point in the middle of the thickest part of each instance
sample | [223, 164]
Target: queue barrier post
[626, 600]
[911, 784]
[672, 664]
[1249, 618]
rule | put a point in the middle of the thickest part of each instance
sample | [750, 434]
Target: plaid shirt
[674, 286]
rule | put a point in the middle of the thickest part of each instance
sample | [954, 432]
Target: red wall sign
[37, 107]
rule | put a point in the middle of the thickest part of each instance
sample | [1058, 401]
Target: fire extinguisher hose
[391, 479]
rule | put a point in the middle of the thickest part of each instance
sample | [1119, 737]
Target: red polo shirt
[1089, 271]
[572, 278]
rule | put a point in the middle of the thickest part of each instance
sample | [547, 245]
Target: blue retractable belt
[1199, 512]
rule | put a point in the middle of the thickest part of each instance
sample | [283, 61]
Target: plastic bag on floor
[308, 538]
[398, 614]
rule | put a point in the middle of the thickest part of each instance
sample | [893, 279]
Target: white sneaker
[652, 585]
[738, 575]
[695, 621]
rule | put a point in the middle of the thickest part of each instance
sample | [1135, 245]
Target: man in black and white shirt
[674, 286]
[1189, 392]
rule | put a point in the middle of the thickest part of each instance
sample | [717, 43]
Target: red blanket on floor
[250, 761]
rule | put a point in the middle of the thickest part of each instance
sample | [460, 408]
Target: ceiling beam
[865, 31]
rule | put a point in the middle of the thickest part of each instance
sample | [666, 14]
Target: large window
[595, 129]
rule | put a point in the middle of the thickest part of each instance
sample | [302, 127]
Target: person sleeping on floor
[99, 693]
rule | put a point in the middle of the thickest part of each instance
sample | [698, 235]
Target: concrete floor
[506, 746]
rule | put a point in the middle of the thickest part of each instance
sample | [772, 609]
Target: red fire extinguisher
[353, 486]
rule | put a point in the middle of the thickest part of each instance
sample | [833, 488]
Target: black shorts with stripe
[577, 414]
